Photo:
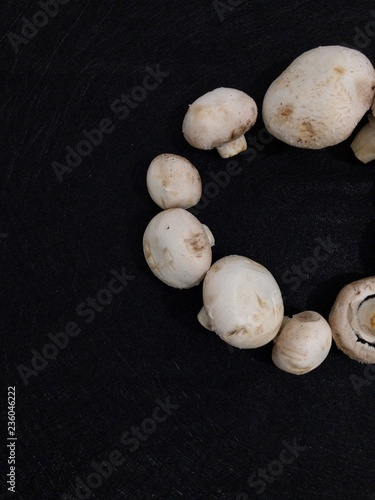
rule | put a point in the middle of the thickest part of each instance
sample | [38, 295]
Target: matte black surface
[233, 411]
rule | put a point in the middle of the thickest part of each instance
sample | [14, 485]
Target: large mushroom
[242, 302]
[320, 98]
[219, 119]
[352, 320]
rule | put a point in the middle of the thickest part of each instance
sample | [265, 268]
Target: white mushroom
[320, 98]
[177, 248]
[173, 182]
[303, 344]
[242, 302]
[219, 119]
[363, 145]
[352, 319]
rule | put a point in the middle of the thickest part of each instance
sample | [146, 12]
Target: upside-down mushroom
[352, 319]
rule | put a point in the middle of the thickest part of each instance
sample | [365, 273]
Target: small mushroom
[363, 145]
[303, 344]
[177, 248]
[320, 98]
[242, 302]
[219, 119]
[173, 182]
[352, 319]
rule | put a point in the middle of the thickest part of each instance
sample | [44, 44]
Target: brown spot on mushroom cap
[242, 331]
[237, 133]
[146, 249]
[202, 112]
[196, 244]
[339, 69]
[217, 266]
[308, 128]
[307, 132]
[239, 331]
[241, 129]
[262, 303]
[286, 111]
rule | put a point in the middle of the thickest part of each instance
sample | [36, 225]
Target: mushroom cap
[242, 302]
[320, 98]
[177, 248]
[303, 344]
[218, 117]
[373, 107]
[173, 182]
[352, 319]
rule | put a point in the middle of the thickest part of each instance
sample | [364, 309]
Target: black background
[61, 240]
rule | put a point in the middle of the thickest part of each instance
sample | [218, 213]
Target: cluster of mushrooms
[316, 102]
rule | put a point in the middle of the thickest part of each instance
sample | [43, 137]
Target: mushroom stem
[204, 319]
[365, 319]
[210, 236]
[363, 145]
[232, 148]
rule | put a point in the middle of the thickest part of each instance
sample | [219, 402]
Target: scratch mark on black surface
[32, 92]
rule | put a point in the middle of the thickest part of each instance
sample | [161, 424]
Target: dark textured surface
[60, 242]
